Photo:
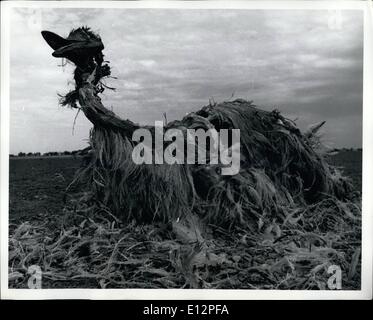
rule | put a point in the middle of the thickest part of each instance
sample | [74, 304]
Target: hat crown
[82, 34]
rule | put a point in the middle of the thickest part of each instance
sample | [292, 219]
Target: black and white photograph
[189, 146]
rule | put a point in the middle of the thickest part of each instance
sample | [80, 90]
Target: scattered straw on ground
[87, 247]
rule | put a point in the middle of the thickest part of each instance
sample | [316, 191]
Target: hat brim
[54, 40]
[78, 46]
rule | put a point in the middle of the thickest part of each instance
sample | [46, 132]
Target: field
[351, 164]
[149, 256]
[37, 186]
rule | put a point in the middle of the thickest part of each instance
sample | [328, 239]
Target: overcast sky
[173, 61]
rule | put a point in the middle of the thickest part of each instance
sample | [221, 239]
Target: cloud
[173, 61]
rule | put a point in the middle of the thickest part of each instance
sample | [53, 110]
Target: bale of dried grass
[280, 170]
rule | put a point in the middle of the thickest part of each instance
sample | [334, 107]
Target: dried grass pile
[281, 169]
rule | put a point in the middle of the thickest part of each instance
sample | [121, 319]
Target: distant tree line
[86, 150]
[39, 154]
[347, 149]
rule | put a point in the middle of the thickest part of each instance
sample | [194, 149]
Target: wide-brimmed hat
[80, 41]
